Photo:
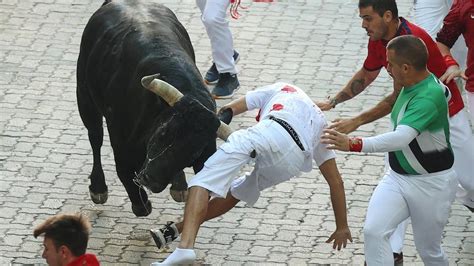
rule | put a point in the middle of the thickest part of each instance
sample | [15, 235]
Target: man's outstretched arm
[382, 109]
[338, 199]
[228, 111]
[361, 80]
[238, 106]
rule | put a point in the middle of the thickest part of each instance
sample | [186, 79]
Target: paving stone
[45, 155]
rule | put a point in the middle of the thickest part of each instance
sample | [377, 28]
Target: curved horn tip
[224, 131]
[146, 80]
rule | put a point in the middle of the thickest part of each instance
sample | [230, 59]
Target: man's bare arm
[443, 49]
[342, 234]
[336, 186]
[380, 110]
[356, 85]
[238, 106]
[453, 71]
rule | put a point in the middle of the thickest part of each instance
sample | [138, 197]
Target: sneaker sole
[211, 82]
[225, 96]
[158, 238]
[217, 80]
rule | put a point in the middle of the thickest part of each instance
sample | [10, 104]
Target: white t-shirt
[291, 104]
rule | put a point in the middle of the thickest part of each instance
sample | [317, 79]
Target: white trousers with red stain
[426, 199]
[214, 18]
[278, 159]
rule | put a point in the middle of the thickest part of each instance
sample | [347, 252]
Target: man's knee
[372, 232]
[212, 20]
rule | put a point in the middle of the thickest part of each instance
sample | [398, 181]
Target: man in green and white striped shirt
[424, 111]
[420, 183]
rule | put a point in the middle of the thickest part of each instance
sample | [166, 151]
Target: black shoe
[165, 235]
[398, 259]
[212, 75]
[227, 85]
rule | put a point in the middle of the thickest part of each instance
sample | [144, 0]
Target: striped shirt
[423, 107]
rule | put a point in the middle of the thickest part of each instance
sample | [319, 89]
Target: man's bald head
[409, 50]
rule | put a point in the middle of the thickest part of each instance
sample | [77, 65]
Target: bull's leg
[179, 187]
[92, 119]
[141, 206]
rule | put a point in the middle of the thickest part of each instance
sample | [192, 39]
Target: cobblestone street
[45, 155]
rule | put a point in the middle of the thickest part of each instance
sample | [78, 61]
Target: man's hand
[340, 237]
[451, 73]
[225, 114]
[344, 125]
[335, 140]
[326, 104]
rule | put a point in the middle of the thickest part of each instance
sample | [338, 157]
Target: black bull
[122, 42]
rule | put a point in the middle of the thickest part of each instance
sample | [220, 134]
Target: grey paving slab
[45, 156]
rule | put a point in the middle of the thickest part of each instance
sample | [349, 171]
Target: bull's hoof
[179, 195]
[99, 198]
[140, 210]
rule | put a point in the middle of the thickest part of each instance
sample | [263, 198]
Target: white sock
[179, 256]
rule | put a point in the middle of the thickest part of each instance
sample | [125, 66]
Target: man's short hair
[409, 50]
[380, 6]
[70, 230]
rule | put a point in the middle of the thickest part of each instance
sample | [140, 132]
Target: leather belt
[290, 131]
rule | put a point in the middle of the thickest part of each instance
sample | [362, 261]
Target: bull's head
[183, 135]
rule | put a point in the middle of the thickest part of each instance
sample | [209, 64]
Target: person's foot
[227, 85]
[179, 257]
[212, 75]
[164, 235]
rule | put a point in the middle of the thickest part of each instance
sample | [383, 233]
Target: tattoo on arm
[357, 86]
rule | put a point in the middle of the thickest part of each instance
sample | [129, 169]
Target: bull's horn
[224, 131]
[171, 95]
[146, 80]
[162, 88]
